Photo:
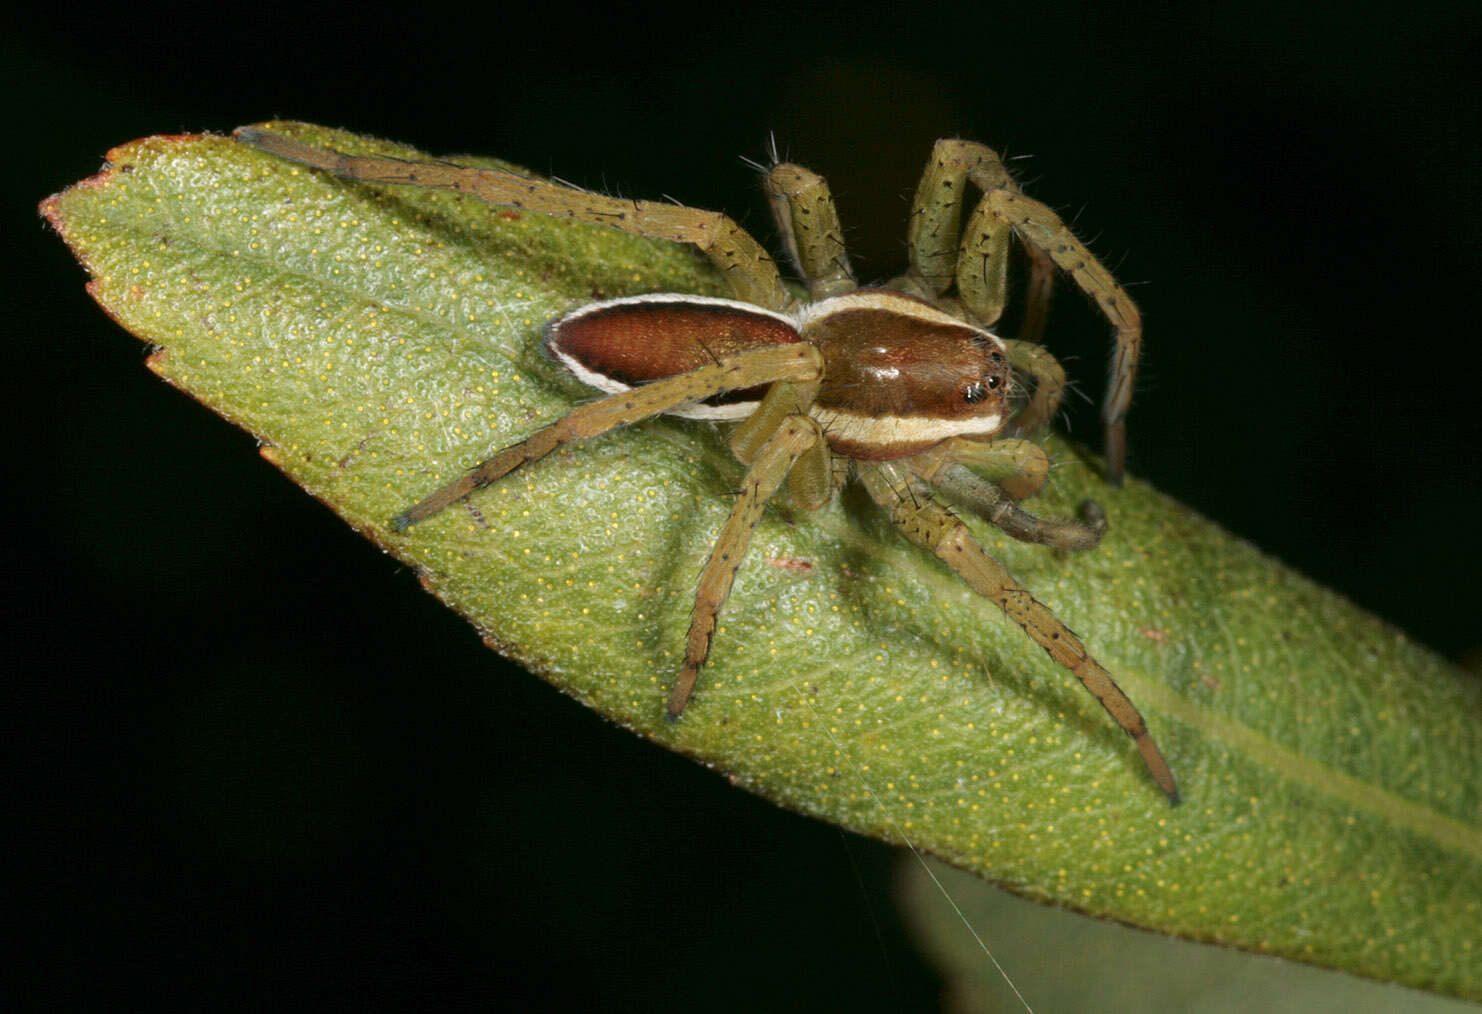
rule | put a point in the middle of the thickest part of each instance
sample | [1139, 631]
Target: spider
[900, 387]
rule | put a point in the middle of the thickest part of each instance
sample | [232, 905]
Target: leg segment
[810, 482]
[809, 225]
[1041, 228]
[1015, 470]
[1018, 467]
[731, 373]
[932, 526]
[1037, 291]
[991, 503]
[975, 256]
[794, 437]
[1036, 362]
[936, 225]
[747, 268]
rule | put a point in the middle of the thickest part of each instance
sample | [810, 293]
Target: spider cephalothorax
[903, 388]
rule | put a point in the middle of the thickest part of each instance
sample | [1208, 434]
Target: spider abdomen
[620, 344]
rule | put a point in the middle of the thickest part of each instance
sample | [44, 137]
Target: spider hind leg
[788, 446]
[930, 525]
[730, 373]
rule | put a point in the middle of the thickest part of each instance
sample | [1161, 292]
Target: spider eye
[977, 391]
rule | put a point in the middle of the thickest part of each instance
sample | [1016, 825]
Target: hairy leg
[1040, 227]
[796, 435]
[746, 266]
[747, 369]
[809, 225]
[930, 525]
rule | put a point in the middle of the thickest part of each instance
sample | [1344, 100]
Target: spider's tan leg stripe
[738, 372]
[794, 437]
[928, 524]
[809, 225]
[1041, 227]
[746, 266]
[1049, 384]
[1018, 467]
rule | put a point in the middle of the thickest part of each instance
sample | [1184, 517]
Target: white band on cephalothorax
[886, 430]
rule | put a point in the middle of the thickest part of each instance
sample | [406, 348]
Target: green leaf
[380, 340]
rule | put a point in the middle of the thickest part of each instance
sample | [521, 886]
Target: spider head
[901, 375]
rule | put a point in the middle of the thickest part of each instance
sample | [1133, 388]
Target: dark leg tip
[672, 716]
[1092, 516]
[1174, 798]
[401, 522]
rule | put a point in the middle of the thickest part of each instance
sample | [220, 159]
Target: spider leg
[1049, 384]
[992, 503]
[729, 373]
[810, 484]
[1018, 467]
[930, 525]
[1038, 288]
[975, 256]
[746, 266]
[808, 222]
[1016, 470]
[935, 232]
[788, 446]
[1040, 228]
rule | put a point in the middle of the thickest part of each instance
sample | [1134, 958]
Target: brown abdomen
[634, 340]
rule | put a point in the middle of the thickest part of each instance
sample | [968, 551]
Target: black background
[255, 763]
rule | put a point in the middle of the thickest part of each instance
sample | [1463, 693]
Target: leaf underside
[378, 341]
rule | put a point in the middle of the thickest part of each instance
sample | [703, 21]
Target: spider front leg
[1047, 379]
[1018, 467]
[1042, 229]
[744, 370]
[788, 446]
[994, 499]
[747, 268]
[930, 525]
[976, 257]
[808, 222]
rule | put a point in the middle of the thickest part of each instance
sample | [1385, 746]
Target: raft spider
[901, 387]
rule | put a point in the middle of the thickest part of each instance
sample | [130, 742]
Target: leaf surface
[380, 340]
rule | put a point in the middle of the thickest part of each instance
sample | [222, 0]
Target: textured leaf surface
[378, 341]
